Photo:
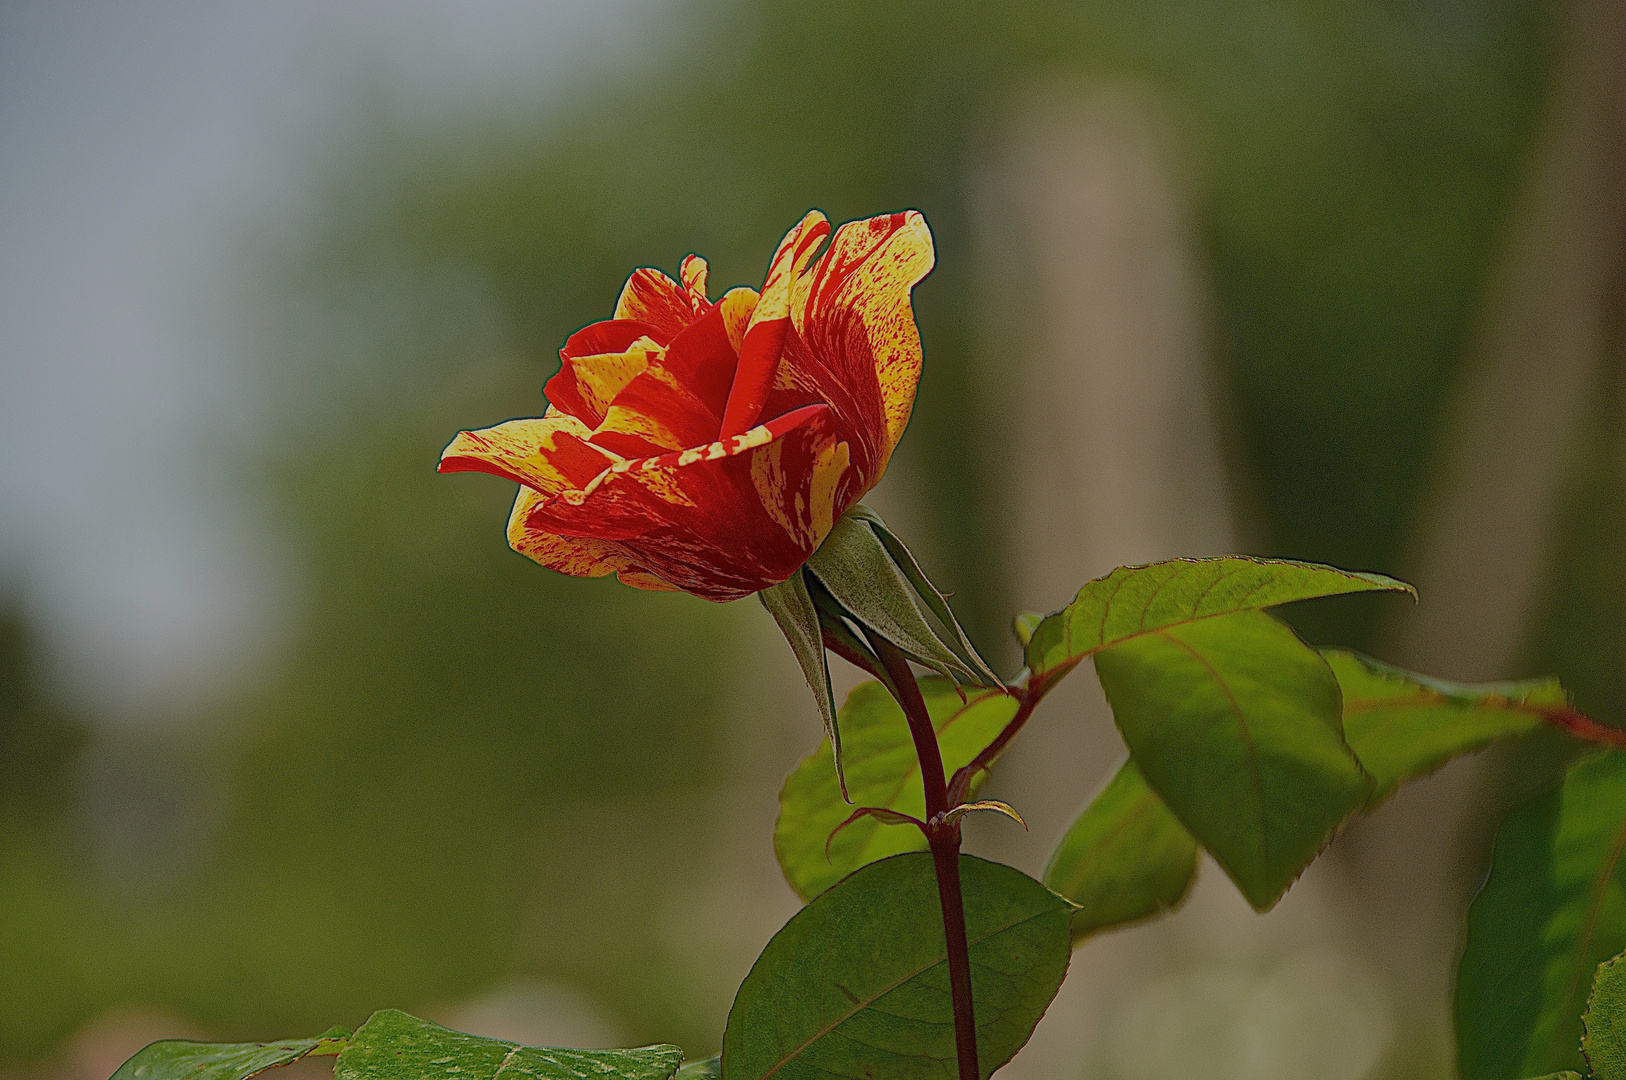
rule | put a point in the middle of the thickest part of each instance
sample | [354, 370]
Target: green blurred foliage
[465, 767]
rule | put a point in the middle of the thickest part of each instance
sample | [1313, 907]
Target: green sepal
[880, 588]
[934, 599]
[792, 608]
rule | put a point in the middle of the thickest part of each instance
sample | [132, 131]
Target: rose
[710, 446]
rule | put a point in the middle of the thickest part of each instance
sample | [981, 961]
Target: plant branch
[943, 837]
[1582, 726]
[1028, 696]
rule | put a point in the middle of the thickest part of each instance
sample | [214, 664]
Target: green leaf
[859, 571]
[1403, 725]
[792, 608]
[1235, 723]
[1604, 1024]
[705, 1069]
[1553, 908]
[183, 1059]
[1124, 859]
[856, 984]
[1565, 1075]
[1135, 600]
[394, 1046]
[882, 771]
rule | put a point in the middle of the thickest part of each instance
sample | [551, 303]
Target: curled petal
[577, 556]
[720, 521]
[737, 306]
[651, 297]
[765, 335]
[549, 453]
[677, 402]
[854, 342]
[693, 274]
[587, 384]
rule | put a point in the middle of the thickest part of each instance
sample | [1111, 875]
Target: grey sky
[138, 142]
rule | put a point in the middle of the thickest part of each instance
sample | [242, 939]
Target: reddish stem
[1582, 726]
[1028, 696]
[943, 836]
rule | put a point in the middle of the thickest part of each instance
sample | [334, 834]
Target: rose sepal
[878, 586]
[791, 606]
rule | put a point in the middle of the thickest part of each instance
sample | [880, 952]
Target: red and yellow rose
[709, 446]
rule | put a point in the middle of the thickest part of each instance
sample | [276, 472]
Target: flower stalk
[943, 838]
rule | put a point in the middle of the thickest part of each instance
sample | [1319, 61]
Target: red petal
[721, 521]
[677, 402]
[765, 336]
[854, 343]
[649, 296]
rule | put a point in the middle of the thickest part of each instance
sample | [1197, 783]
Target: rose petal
[677, 402]
[586, 385]
[573, 555]
[649, 296]
[693, 274]
[720, 521]
[765, 335]
[854, 343]
[549, 453]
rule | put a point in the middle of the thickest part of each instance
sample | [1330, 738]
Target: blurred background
[288, 735]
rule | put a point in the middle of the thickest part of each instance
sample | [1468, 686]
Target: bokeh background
[287, 734]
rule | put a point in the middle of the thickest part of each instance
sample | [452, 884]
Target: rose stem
[943, 836]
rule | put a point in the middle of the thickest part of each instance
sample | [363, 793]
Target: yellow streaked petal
[873, 279]
[737, 306]
[548, 453]
[578, 556]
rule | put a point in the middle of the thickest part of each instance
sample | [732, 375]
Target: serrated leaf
[1604, 1026]
[184, 1059]
[798, 619]
[1125, 858]
[882, 771]
[1135, 600]
[394, 1046]
[1234, 722]
[1553, 908]
[856, 984]
[1403, 725]
[860, 573]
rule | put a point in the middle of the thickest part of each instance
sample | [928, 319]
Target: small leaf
[880, 814]
[1553, 908]
[792, 608]
[986, 804]
[183, 1059]
[873, 590]
[1024, 625]
[394, 1046]
[1124, 859]
[882, 771]
[1235, 723]
[856, 984]
[705, 1069]
[1135, 600]
[1604, 1024]
[1403, 725]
